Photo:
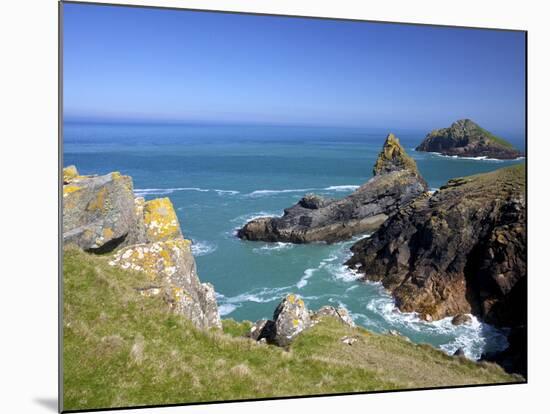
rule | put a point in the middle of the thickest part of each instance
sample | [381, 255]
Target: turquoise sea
[219, 177]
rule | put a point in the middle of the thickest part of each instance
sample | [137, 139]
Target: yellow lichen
[108, 233]
[291, 298]
[69, 189]
[99, 202]
[161, 221]
[69, 173]
[295, 322]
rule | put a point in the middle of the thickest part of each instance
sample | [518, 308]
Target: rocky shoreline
[461, 250]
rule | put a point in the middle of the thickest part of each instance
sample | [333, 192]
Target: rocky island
[396, 182]
[461, 250]
[465, 138]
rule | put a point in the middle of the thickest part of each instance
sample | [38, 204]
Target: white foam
[341, 188]
[273, 247]
[226, 309]
[202, 248]
[140, 192]
[473, 338]
[259, 193]
[480, 158]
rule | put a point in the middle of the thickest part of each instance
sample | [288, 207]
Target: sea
[220, 176]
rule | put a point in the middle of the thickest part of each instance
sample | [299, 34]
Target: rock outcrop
[292, 317]
[101, 214]
[396, 182]
[464, 138]
[462, 250]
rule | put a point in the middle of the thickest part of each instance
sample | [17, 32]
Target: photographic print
[262, 206]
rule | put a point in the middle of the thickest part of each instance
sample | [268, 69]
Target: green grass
[500, 141]
[123, 349]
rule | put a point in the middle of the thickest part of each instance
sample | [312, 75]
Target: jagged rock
[459, 251]
[461, 319]
[98, 211]
[462, 250]
[396, 183]
[464, 138]
[341, 314]
[291, 317]
[171, 264]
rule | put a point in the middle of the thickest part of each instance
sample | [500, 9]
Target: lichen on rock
[161, 221]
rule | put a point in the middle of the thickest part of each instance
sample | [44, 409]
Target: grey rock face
[99, 211]
[291, 317]
[313, 218]
[464, 138]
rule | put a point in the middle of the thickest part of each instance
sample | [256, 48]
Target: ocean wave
[480, 158]
[258, 295]
[273, 247]
[202, 248]
[341, 188]
[259, 193]
[337, 188]
[226, 309]
[141, 192]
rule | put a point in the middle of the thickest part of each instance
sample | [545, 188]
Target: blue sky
[167, 65]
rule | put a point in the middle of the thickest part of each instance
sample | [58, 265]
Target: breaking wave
[202, 248]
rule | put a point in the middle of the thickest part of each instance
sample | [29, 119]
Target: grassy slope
[496, 139]
[123, 349]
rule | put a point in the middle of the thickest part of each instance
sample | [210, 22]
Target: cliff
[396, 182]
[462, 250]
[464, 138]
[102, 215]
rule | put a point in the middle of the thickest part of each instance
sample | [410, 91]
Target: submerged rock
[464, 138]
[396, 182]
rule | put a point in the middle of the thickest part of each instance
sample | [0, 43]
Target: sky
[143, 64]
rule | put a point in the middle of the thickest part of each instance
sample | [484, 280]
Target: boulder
[465, 138]
[291, 317]
[396, 183]
[69, 174]
[170, 264]
[98, 211]
[341, 314]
